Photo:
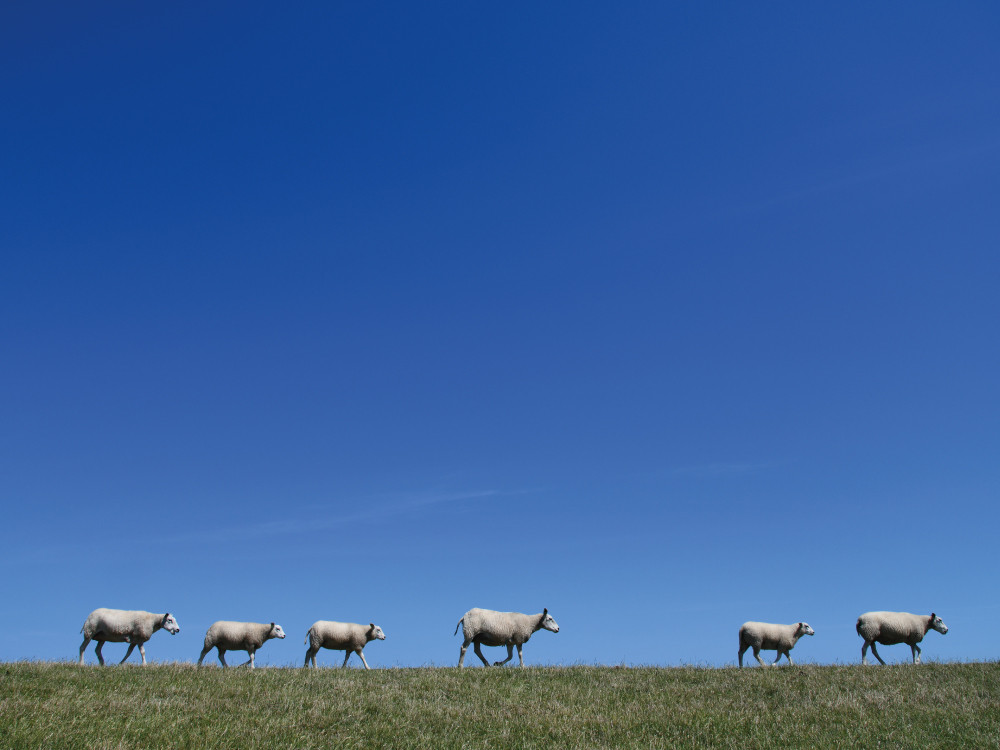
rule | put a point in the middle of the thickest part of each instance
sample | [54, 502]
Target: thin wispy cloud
[313, 518]
[719, 469]
[974, 153]
[325, 517]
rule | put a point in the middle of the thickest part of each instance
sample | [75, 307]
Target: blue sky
[663, 316]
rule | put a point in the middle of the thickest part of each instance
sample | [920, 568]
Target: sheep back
[889, 628]
[237, 636]
[339, 636]
[768, 636]
[491, 628]
[121, 625]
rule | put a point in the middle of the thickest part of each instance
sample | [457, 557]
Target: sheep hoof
[497, 664]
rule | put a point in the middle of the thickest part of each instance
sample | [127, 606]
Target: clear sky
[663, 316]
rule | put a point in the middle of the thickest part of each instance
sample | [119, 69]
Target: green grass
[168, 706]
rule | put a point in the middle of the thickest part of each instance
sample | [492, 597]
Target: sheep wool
[890, 628]
[767, 636]
[133, 627]
[486, 627]
[226, 635]
[349, 637]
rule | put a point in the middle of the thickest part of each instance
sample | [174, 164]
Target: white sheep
[239, 636]
[489, 628]
[346, 636]
[889, 628]
[133, 627]
[767, 636]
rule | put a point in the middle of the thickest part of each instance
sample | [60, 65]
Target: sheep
[348, 636]
[768, 636]
[239, 636]
[490, 628]
[133, 627]
[889, 628]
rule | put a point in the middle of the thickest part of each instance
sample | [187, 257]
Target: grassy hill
[169, 706]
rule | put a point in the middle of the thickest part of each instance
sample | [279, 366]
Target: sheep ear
[933, 615]
[272, 626]
[545, 611]
[371, 625]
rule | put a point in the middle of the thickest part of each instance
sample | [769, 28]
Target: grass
[58, 705]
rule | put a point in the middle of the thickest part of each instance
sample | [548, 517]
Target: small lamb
[490, 628]
[346, 636]
[239, 636]
[770, 637]
[133, 627]
[889, 628]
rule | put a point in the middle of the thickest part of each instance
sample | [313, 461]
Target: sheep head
[938, 624]
[169, 623]
[548, 623]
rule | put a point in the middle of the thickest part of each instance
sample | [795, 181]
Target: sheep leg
[249, 662]
[142, 653]
[519, 656]
[347, 655]
[756, 655]
[915, 650]
[359, 653]
[743, 650]
[131, 648]
[222, 657]
[875, 653]
[204, 653]
[100, 658]
[86, 642]
[479, 653]
[788, 656]
[461, 655]
[310, 654]
[777, 659]
[510, 655]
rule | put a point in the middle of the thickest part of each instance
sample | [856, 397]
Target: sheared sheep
[889, 628]
[239, 636]
[768, 636]
[346, 636]
[133, 627]
[489, 628]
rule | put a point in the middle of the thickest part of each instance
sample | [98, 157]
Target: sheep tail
[857, 626]
[307, 636]
[459, 623]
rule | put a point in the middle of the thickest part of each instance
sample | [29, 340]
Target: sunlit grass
[175, 705]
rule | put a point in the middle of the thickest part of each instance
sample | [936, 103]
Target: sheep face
[375, 632]
[548, 623]
[276, 631]
[169, 624]
[804, 629]
[938, 624]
